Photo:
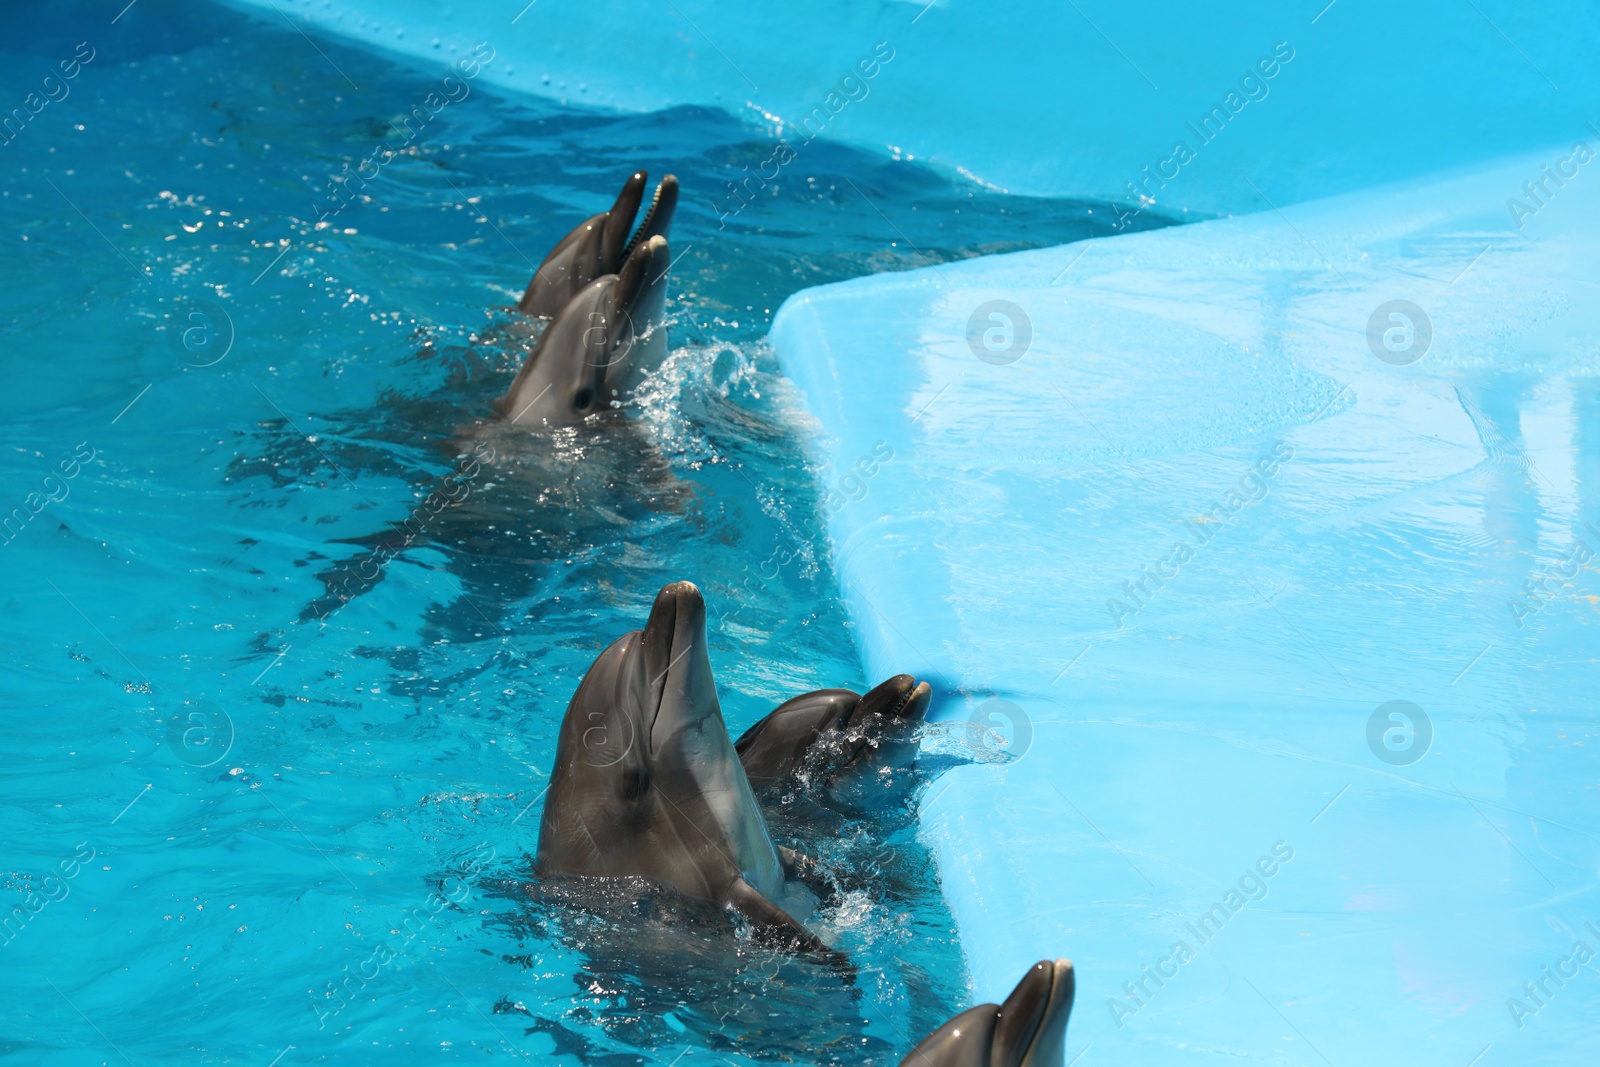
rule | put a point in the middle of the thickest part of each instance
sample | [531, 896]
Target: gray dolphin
[598, 246]
[604, 286]
[647, 784]
[1028, 1030]
[606, 293]
[830, 732]
[599, 346]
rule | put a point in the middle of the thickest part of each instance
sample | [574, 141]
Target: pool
[241, 837]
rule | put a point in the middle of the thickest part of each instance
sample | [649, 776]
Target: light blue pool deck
[1215, 516]
[1199, 534]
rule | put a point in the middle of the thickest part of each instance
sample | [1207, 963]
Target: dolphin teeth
[644, 223]
[900, 705]
[657, 216]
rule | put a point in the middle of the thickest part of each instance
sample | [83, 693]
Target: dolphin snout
[619, 221]
[1030, 1029]
[642, 269]
[657, 219]
[901, 698]
[663, 626]
[677, 597]
[677, 624]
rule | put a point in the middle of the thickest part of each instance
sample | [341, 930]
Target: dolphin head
[600, 345]
[646, 782]
[1028, 1030]
[835, 733]
[599, 246]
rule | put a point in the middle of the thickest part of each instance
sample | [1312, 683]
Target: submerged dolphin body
[1028, 1030]
[647, 783]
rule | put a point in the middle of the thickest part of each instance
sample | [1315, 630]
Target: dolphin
[830, 732]
[599, 346]
[1028, 1030]
[647, 784]
[606, 295]
[598, 246]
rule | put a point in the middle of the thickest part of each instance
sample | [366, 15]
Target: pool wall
[1171, 535]
[1273, 102]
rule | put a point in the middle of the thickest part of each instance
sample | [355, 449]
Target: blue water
[215, 813]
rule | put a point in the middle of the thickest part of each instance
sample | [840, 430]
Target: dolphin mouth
[672, 634]
[1030, 1030]
[901, 699]
[621, 237]
[921, 693]
[641, 269]
[657, 219]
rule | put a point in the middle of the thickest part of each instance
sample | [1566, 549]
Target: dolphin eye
[634, 784]
[584, 398]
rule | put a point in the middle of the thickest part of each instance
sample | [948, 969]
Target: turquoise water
[216, 814]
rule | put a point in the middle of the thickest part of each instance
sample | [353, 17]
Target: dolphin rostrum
[598, 246]
[1028, 1030]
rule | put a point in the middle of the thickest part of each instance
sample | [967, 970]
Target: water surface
[261, 837]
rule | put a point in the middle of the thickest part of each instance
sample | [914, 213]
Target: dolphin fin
[799, 867]
[744, 898]
[391, 537]
[348, 579]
